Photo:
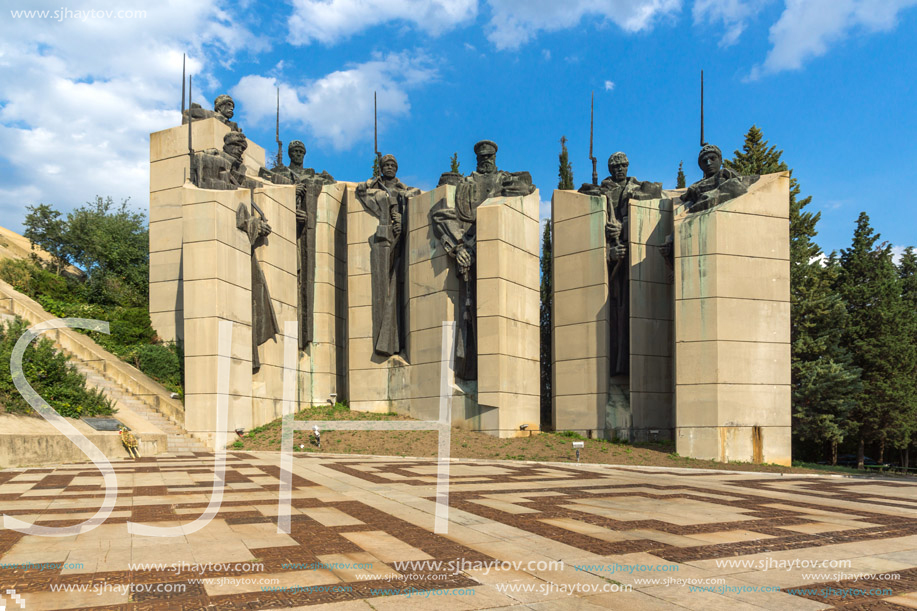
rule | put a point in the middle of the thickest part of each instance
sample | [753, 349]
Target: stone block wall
[732, 327]
[508, 304]
[323, 363]
[580, 316]
[652, 387]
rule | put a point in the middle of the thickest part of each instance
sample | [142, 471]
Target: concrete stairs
[129, 387]
[179, 442]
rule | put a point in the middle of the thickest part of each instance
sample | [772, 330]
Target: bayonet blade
[702, 143]
[595, 174]
[277, 134]
[182, 84]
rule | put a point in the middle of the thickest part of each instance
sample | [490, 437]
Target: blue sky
[831, 82]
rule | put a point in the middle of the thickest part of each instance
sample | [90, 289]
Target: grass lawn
[548, 447]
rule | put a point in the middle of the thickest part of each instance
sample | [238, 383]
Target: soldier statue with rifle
[618, 189]
[386, 198]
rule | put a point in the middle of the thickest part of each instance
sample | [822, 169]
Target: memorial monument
[227, 243]
[702, 361]
[671, 308]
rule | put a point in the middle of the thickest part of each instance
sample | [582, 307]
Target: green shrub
[161, 362]
[31, 279]
[131, 336]
[52, 376]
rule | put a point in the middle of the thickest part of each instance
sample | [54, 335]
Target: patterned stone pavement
[521, 536]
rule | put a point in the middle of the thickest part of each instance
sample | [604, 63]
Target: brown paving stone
[163, 491]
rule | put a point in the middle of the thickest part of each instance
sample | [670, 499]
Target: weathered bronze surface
[719, 184]
[223, 170]
[456, 230]
[309, 185]
[223, 111]
[618, 189]
[386, 198]
[264, 320]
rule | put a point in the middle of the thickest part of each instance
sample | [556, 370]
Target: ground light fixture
[578, 445]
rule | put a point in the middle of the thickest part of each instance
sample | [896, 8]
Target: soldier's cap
[222, 99]
[296, 144]
[710, 148]
[235, 137]
[485, 147]
[388, 158]
[618, 158]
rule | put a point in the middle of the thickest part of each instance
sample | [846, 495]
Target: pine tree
[824, 380]
[680, 179]
[454, 164]
[565, 173]
[377, 169]
[869, 285]
[907, 429]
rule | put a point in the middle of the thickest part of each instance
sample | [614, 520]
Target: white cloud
[734, 14]
[512, 22]
[897, 252]
[808, 28]
[546, 53]
[338, 108]
[515, 22]
[88, 93]
[609, 86]
[330, 21]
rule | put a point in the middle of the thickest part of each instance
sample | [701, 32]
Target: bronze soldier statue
[719, 184]
[386, 198]
[224, 169]
[456, 230]
[223, 111]
[309, 185]
[618, 189]
[264, 320]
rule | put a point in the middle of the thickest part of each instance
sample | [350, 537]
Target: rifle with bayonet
[193, 173]
[595, 173]
[702, 143]
[279, 161]
[378, 179]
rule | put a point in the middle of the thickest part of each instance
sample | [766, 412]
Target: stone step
[94, 372]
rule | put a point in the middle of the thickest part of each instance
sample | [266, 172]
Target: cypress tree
[680, 179]
[547, 301]
[454, 163]
[377, 171]
[869, 285]
[824, 380]
[565, 172]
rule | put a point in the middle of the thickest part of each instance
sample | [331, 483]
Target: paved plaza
[520, 536]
